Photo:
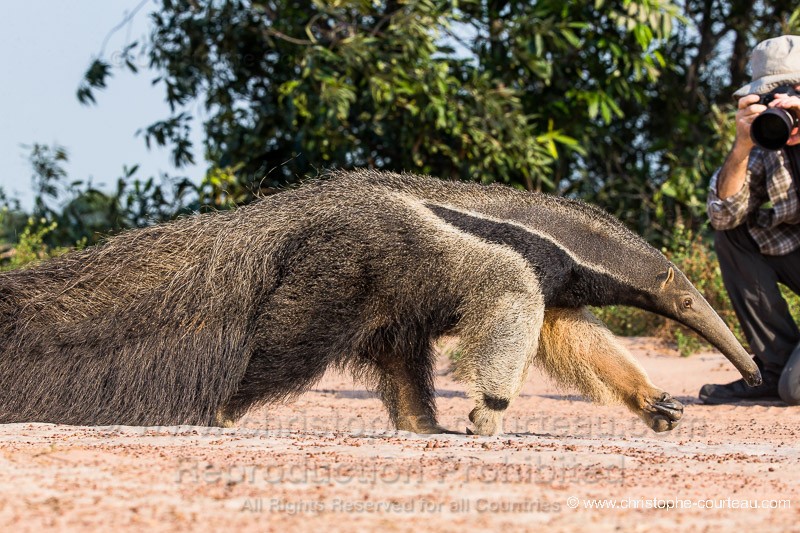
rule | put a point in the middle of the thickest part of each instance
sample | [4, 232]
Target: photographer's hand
[791, 103]
[734, 170]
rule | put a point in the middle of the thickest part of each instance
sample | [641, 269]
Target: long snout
[708, 324]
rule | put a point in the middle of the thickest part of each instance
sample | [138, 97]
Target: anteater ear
[666, 278]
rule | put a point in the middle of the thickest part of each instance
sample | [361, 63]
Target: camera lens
[772, 128]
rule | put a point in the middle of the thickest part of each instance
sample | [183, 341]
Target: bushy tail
[155, 326]
[155, 379]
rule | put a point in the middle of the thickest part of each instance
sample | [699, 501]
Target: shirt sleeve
[782, 193]
[733, 210]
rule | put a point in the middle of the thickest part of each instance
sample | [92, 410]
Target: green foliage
[68, 212]
[31, 246]
[508, 91]
[220, 189]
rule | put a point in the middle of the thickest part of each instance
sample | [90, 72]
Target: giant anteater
[198, 320]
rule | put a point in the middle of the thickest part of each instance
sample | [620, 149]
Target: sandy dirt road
[329, 462]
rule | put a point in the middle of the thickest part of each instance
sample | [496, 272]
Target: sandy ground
[330, 462]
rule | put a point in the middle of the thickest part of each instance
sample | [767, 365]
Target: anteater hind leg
[578, 351]
[498, 344]
[406, 388]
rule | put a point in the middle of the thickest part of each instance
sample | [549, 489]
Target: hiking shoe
[738, 391]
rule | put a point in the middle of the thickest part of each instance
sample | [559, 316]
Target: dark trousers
[751, 280]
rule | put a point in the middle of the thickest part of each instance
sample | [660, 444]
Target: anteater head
[583, 256]
[672, 295]
[616, 266]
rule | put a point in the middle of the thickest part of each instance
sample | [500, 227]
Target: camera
[772, 128]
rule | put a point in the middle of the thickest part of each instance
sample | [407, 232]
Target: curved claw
[664, 414]
[673, 409]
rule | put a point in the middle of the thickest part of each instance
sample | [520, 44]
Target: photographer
[754, 206]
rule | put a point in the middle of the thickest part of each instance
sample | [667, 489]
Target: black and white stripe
[565, 280]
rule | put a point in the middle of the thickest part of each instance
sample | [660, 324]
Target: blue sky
[45, 48]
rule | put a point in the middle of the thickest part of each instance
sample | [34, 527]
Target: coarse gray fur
[198, 320]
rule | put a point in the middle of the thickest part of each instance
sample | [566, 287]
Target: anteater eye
[687, 303]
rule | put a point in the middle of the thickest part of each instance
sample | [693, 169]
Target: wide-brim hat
[774, 62]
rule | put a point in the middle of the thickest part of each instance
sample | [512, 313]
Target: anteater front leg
[578, 351]
[499, 337]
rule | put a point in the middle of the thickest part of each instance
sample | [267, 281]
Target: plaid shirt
[767, 202]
